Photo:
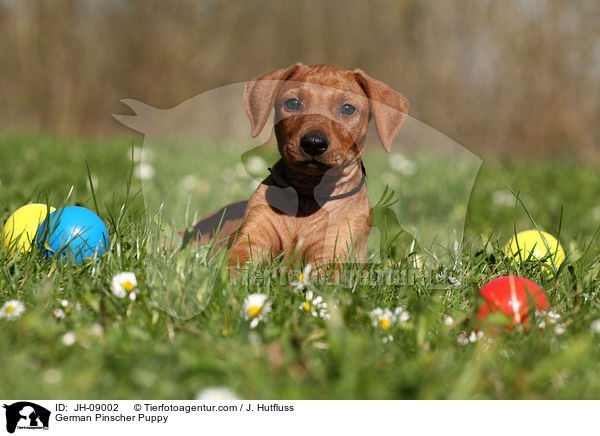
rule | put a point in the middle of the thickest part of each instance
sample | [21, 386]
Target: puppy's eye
[292, 104]
[347, 109]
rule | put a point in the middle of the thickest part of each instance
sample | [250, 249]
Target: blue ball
[75, 232]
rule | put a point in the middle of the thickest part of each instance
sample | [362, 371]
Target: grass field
[186, 330]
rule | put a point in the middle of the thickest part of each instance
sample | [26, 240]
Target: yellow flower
[385, 323]
[254, 311]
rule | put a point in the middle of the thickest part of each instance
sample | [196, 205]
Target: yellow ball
[538, 245]
[20, 228]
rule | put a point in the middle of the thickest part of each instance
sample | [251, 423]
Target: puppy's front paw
[239, 255]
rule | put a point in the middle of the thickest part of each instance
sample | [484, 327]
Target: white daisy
[385, 318]
[463, 339]
[69, 338]
[256, 309]
[401, 314]
[303, 279]
[256, 165]
[141, 154]
[66, 307]
[59, 314]
[315, 306]
[216, 393]
[123, 284]
[144, 171]
[547, 318]
[474, 337]
[595, 326]
[12, 310]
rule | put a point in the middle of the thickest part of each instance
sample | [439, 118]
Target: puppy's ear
[389, 108]
[259, 96]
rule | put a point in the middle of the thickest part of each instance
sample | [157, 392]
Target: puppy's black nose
[314, 143]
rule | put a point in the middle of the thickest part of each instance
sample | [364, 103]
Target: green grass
[186, 330]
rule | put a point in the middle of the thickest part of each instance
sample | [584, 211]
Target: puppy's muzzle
[314, 143]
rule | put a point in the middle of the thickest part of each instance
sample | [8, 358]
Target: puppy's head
[322, 113]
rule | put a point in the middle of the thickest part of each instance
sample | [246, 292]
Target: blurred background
[511, 78]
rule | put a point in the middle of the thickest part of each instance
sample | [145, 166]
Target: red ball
[513, 296]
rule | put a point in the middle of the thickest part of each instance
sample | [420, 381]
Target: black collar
[323, 199]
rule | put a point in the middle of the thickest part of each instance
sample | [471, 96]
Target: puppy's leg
[343, 242]
[220, 224]
[257, 239]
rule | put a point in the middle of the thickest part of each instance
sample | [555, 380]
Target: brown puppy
[315, 201]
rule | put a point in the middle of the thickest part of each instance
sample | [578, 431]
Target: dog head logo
[320, 119]
[26, 415]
